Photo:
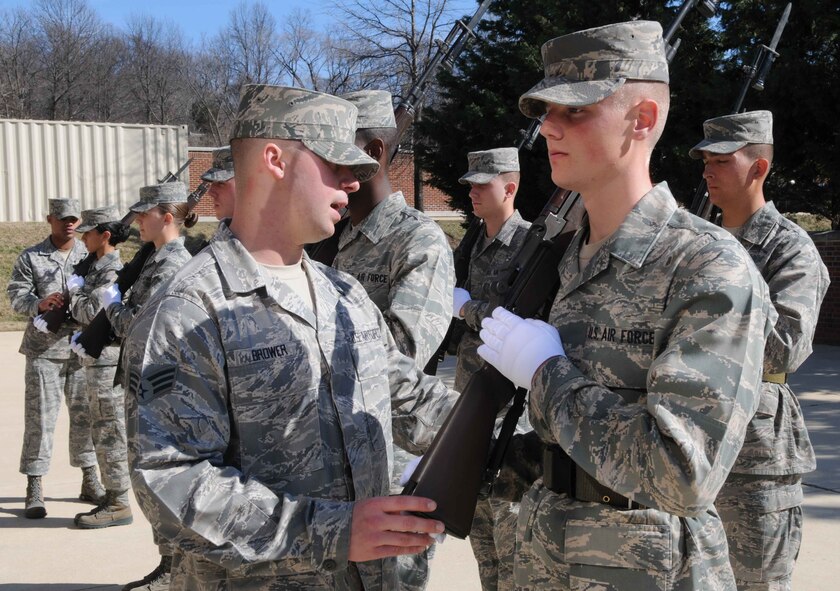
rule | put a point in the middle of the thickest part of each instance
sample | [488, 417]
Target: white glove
[409, 470]
[75, 282]
[517, 347]
[111, 295]
[77, 348]
[459, 298]
[40, 324]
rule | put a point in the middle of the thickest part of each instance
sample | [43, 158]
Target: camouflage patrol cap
[324, 123]
[375, 108]
[101, 215]
[61, 208]
[487, 164]
[154, 195]
[586, 67]
[730, 133]
[222, 168]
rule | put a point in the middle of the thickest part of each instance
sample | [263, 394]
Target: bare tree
[397, 35]
[153, 70]
[18, 64]
[70, 40]
[250, 41]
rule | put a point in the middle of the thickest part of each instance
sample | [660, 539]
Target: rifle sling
[563, 476]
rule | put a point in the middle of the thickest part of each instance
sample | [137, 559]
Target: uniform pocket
[619, 545]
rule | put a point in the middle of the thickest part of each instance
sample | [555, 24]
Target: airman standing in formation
[403, 260]
[101, 231]
[222, 191]
[265, 388]
[494, 177]
[760, 503]
[38, 284]
[644, 379]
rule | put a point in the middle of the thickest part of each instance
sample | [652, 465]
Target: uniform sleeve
[179, 435]
[420, 295]
[419, 402]
[798, 282]
[673, 448]
[86, 303]
[22, 290]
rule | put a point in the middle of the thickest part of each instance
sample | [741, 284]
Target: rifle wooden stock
[451, 470]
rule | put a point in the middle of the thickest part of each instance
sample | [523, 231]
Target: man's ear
[761, 167]
[272, 156]
[647, 115]
[510, 189]
[375, 149]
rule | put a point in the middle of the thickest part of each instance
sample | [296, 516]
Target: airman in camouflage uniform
[403, 260]
[261, 409]
[760, 501]
[38, 283]
[155, 208]
[494, 179]
[644, 379]
[220, 175]
[101, 231]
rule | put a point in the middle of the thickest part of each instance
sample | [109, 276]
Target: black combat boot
[157, 580]
[34, 499]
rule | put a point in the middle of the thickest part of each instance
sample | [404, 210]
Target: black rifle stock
[453, 468]
[326, 250]
[754, 77]
[99, 333]
[461, 259]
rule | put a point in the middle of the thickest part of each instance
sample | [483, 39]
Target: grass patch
[810, 222]
[17, 236]
[454, 231]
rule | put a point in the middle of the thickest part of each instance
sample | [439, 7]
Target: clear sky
[207, 17]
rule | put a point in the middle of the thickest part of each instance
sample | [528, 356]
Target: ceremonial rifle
[447, 51]
[455, 468]
[754, 77]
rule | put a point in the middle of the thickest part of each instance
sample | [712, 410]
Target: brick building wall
[202, 159]
[828, 327]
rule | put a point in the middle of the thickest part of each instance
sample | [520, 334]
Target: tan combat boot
[115, 510]
[92, 491]
[34, 499]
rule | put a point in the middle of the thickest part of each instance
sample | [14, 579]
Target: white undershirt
[294, 277]
[734, 230]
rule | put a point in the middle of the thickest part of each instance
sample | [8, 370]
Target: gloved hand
[517, 347]
[459, 298]
[77, 348]
[40, 324]
[75, 282]
[111, 295]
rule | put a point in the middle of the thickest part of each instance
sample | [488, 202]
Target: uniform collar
[108, 260]
[508, 229]
[635, 237]
[378, 222]
[166, 249]
[760, 224]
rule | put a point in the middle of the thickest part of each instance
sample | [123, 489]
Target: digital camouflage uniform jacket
[39, 271]
[664, 334]
[777, 440]
[85, 302]
[486, 264]
[404, 262]
[255, 422]
[158, 269]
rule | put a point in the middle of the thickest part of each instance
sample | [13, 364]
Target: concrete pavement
[51, 555]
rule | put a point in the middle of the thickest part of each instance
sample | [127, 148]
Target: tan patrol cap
[586, 67]
[730, 133]
[322, 122]
[488, 164]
